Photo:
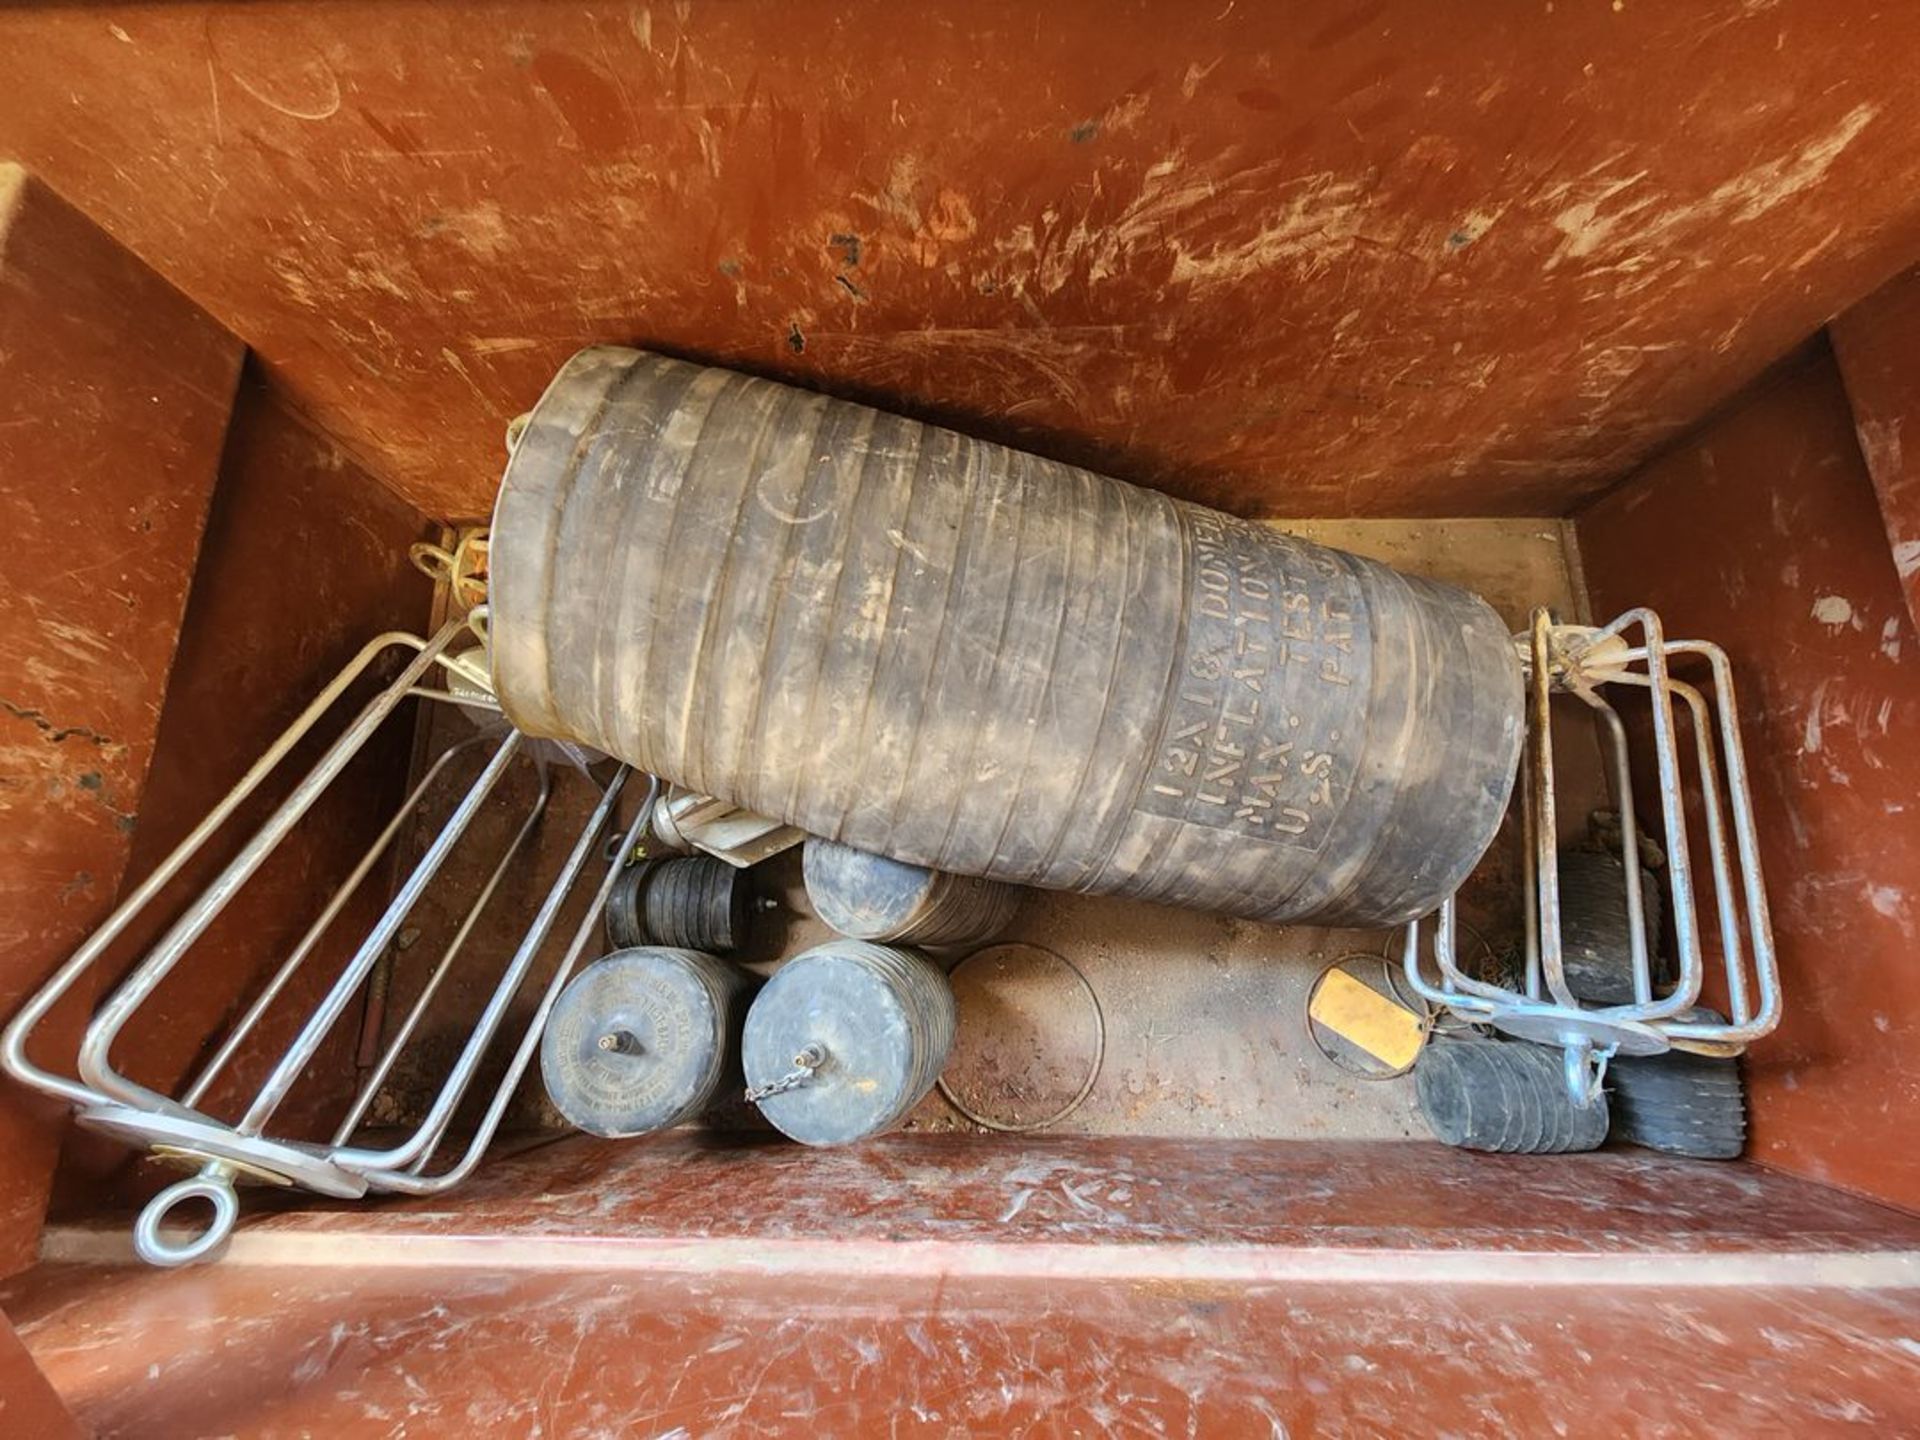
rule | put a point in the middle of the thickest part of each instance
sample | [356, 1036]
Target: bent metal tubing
[114, 1104]
[1578, 660]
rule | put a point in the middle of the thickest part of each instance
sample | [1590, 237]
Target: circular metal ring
[1005, 1127]
[154, 1246]
[1419, 1008]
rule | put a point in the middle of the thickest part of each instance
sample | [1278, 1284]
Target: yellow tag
[1362, 1016]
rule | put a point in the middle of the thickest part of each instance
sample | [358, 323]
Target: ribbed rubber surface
[1680, 1103]
[978, 661]
[885, 1019]
[693, 903]
[1503, 1096]
[869, 897]
[1594, 934]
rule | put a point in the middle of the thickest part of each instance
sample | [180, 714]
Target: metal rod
[262, 1002]
[371, 1086]
[1616, 733]
[1410, 963]
[94, 1061]
[483, 1135]
[1733, 953]
[472, 702]
[1453, 977]
[456, 1085]
[1546, 822]
[1529, 869]
[413, 1182]
[322, 1021]
[228, 1151]
[433, 1130]
[1759, 919]
[1686, 991]
[13, 1045]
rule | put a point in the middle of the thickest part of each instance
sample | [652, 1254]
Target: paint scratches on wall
[1596, 221]
[1210, 224]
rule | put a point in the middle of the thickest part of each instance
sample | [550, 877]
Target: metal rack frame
[1585, 661]
[108, 1101]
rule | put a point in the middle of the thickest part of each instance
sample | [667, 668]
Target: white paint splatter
[1906, 557]
[1585, 228]
[1833, 610]
[1810, 740]
[1890, 638]
[1017, 1204]
[1125, 113]
[1196, 72]
[1765, 186]
[900, 199]
[1890, 901]
[1880, 444]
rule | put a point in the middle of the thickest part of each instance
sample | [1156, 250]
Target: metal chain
[804, 1064]
[792, 1080]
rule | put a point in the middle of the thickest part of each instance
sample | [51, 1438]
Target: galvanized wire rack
[225, 1150]
[1593, 664]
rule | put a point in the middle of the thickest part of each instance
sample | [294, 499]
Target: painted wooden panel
[1385, 1197]
[1762, 532]
[927, 1286]
[1320, 258]
[365, 1352]
[1878, 346]
[29, 1405]
[114, 394]
[304, 561]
